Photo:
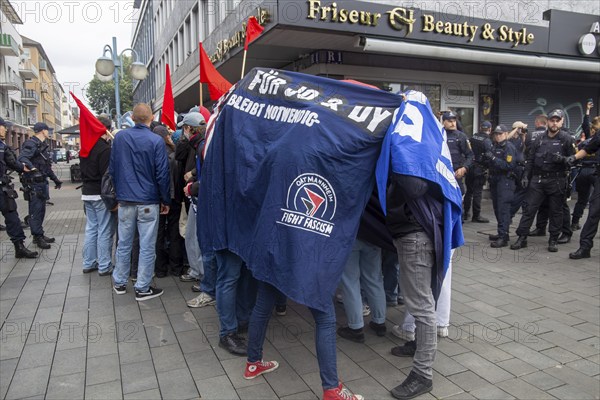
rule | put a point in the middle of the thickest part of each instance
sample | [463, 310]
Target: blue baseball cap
[486, 125]
[5, 123]
[40, 126]
[448, 115]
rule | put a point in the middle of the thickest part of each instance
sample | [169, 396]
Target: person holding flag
[422, 201]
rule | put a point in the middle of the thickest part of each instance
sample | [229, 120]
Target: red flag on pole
[253, 30]
[217, 85]
[90, 128]
[167, 116]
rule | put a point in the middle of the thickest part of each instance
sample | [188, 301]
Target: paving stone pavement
[525, 325]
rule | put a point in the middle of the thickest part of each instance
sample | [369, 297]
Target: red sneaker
[258, 368]
[340, 393]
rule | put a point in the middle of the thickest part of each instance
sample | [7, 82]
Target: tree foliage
[101, 95]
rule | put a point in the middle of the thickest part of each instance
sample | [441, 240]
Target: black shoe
[40, 242]
[580, 253]
[408, 349]
[23, 252]
[493, 237]
[564, 239]
[93, 268]
[413, 386]
[234, 344]
[480, 220]
[107, 272]
[151, 293]
[537, 232]
[355, 335]
[49, 239]
[380, 329]
[2, 227]
[120, 289]
[465, 216]
[575, 226]
[24, 225]
[521, 243]
[552, 246]
[281, 310]
[500, 242]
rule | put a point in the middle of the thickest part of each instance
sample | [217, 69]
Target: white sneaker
[202, 300]
[366, 310]
[402, 334]
[442, 331]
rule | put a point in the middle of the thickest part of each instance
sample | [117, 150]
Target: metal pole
[115, 56]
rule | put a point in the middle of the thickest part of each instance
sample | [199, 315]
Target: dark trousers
[552, 188]
[37, 208]
[518, 199]
[169, 243]
[502, 190]
[543, 216]
[590, 228]
[584, 185]
[473, 194]
[11, 218]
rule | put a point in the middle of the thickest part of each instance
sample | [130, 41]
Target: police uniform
[475, 178]
[584, 183]
[8, 194]
[460, 149]
[503, 163]
[36, 156]
[546, 164]
[590, 228]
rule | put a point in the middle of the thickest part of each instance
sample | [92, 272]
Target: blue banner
[287, 174]
[416, 145]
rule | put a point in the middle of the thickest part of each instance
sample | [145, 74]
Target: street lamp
[107, 68]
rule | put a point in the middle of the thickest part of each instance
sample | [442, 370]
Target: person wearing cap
[8, 206]
[476, 177]
[36, 157]
[460, 148]
[503, 161]
[590, 228]
[100, 222]
[546, 169]
[139, 168]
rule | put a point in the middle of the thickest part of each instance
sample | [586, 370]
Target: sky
[74, 33]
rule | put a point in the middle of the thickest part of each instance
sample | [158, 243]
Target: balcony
[30, 97]
[13, 84]
[28, 70]
[8, 45]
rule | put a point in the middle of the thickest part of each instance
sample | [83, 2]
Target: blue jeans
[363, 270]
[416, 256]
[324, 333]
[208, 282]
[235, 292]
[99, 231]
[145, 217]
[192, 248]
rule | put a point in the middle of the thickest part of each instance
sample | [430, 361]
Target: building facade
[497, 61]
[143, 43]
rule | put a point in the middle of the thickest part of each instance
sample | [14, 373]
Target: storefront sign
[589, 42]
[574, 34]
[400, 18]
[238, 37]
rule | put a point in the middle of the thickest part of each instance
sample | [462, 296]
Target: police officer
[476, 176]
[460, 148]
[590, 228]
[36, 157]
[503, 161]
[8, 194]
[547, 166]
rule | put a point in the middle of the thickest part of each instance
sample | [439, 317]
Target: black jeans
[541, 188]
[590, 228]
[584, 186]
[473, 194]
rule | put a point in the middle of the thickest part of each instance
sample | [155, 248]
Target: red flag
[217, 85]
[167, 116]
[90, 128]
[253, 30]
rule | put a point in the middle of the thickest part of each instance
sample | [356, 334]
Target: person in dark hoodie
[100, 222]
[409, 199]
[169, 243]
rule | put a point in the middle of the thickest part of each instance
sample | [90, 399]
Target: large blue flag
[416, 145]
[287, 173]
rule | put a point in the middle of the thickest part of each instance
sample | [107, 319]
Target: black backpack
[107, 191]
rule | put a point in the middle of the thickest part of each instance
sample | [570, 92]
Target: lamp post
[107, 68]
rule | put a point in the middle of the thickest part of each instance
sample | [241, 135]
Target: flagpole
[244, 64]
[200, 73]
